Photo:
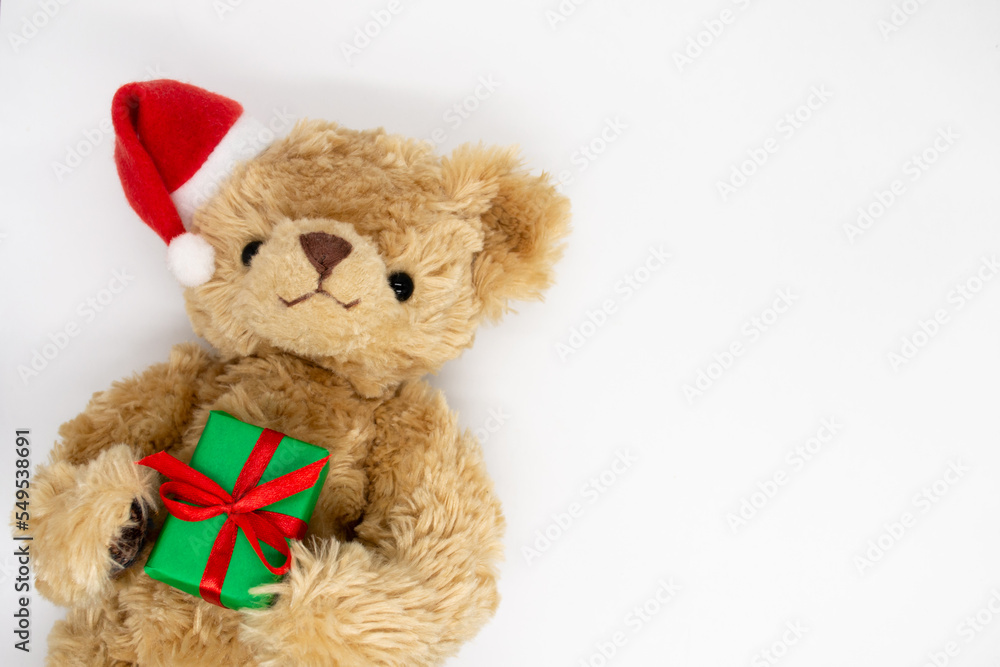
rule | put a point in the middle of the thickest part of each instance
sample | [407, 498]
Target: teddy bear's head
[367, 253]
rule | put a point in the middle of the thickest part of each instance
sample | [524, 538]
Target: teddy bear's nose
[324, 251]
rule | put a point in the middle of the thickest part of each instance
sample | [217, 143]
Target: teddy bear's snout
[324, 251]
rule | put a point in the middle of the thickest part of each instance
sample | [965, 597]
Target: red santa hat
[175, 144]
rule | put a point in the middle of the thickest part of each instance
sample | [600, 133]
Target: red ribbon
[203, 499]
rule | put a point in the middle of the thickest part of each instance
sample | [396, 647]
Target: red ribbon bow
[203, 499]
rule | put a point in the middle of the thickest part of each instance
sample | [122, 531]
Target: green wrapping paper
[180, 554]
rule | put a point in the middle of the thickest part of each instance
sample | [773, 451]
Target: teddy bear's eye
[402, 284]
[249, 250]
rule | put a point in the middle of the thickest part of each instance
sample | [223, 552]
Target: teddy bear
[329, 271]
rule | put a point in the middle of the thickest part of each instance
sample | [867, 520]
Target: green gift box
[229, 448]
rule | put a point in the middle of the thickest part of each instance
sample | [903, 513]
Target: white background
[683, 128]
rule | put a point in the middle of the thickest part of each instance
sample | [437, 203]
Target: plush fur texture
[400, 563]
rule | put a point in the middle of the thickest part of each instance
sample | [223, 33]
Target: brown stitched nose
[324, 251]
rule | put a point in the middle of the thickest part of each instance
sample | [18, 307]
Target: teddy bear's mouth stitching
[318, 290]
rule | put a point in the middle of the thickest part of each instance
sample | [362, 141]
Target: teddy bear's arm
[83, 497]
[149, 411]
[420, 579]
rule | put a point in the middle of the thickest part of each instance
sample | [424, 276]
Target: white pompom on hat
[174, 145]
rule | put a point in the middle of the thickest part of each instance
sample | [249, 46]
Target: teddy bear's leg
[79, 641]
[420, 579]
[90, 502]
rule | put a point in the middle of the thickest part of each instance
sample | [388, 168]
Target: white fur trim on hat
[244, 140]
[191, 259]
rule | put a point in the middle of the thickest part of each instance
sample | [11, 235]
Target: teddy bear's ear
[523, 218]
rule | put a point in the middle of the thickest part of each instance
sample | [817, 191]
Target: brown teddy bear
[330, 271]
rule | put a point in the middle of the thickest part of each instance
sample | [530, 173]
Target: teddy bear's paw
[90, 523]
[125, 549]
